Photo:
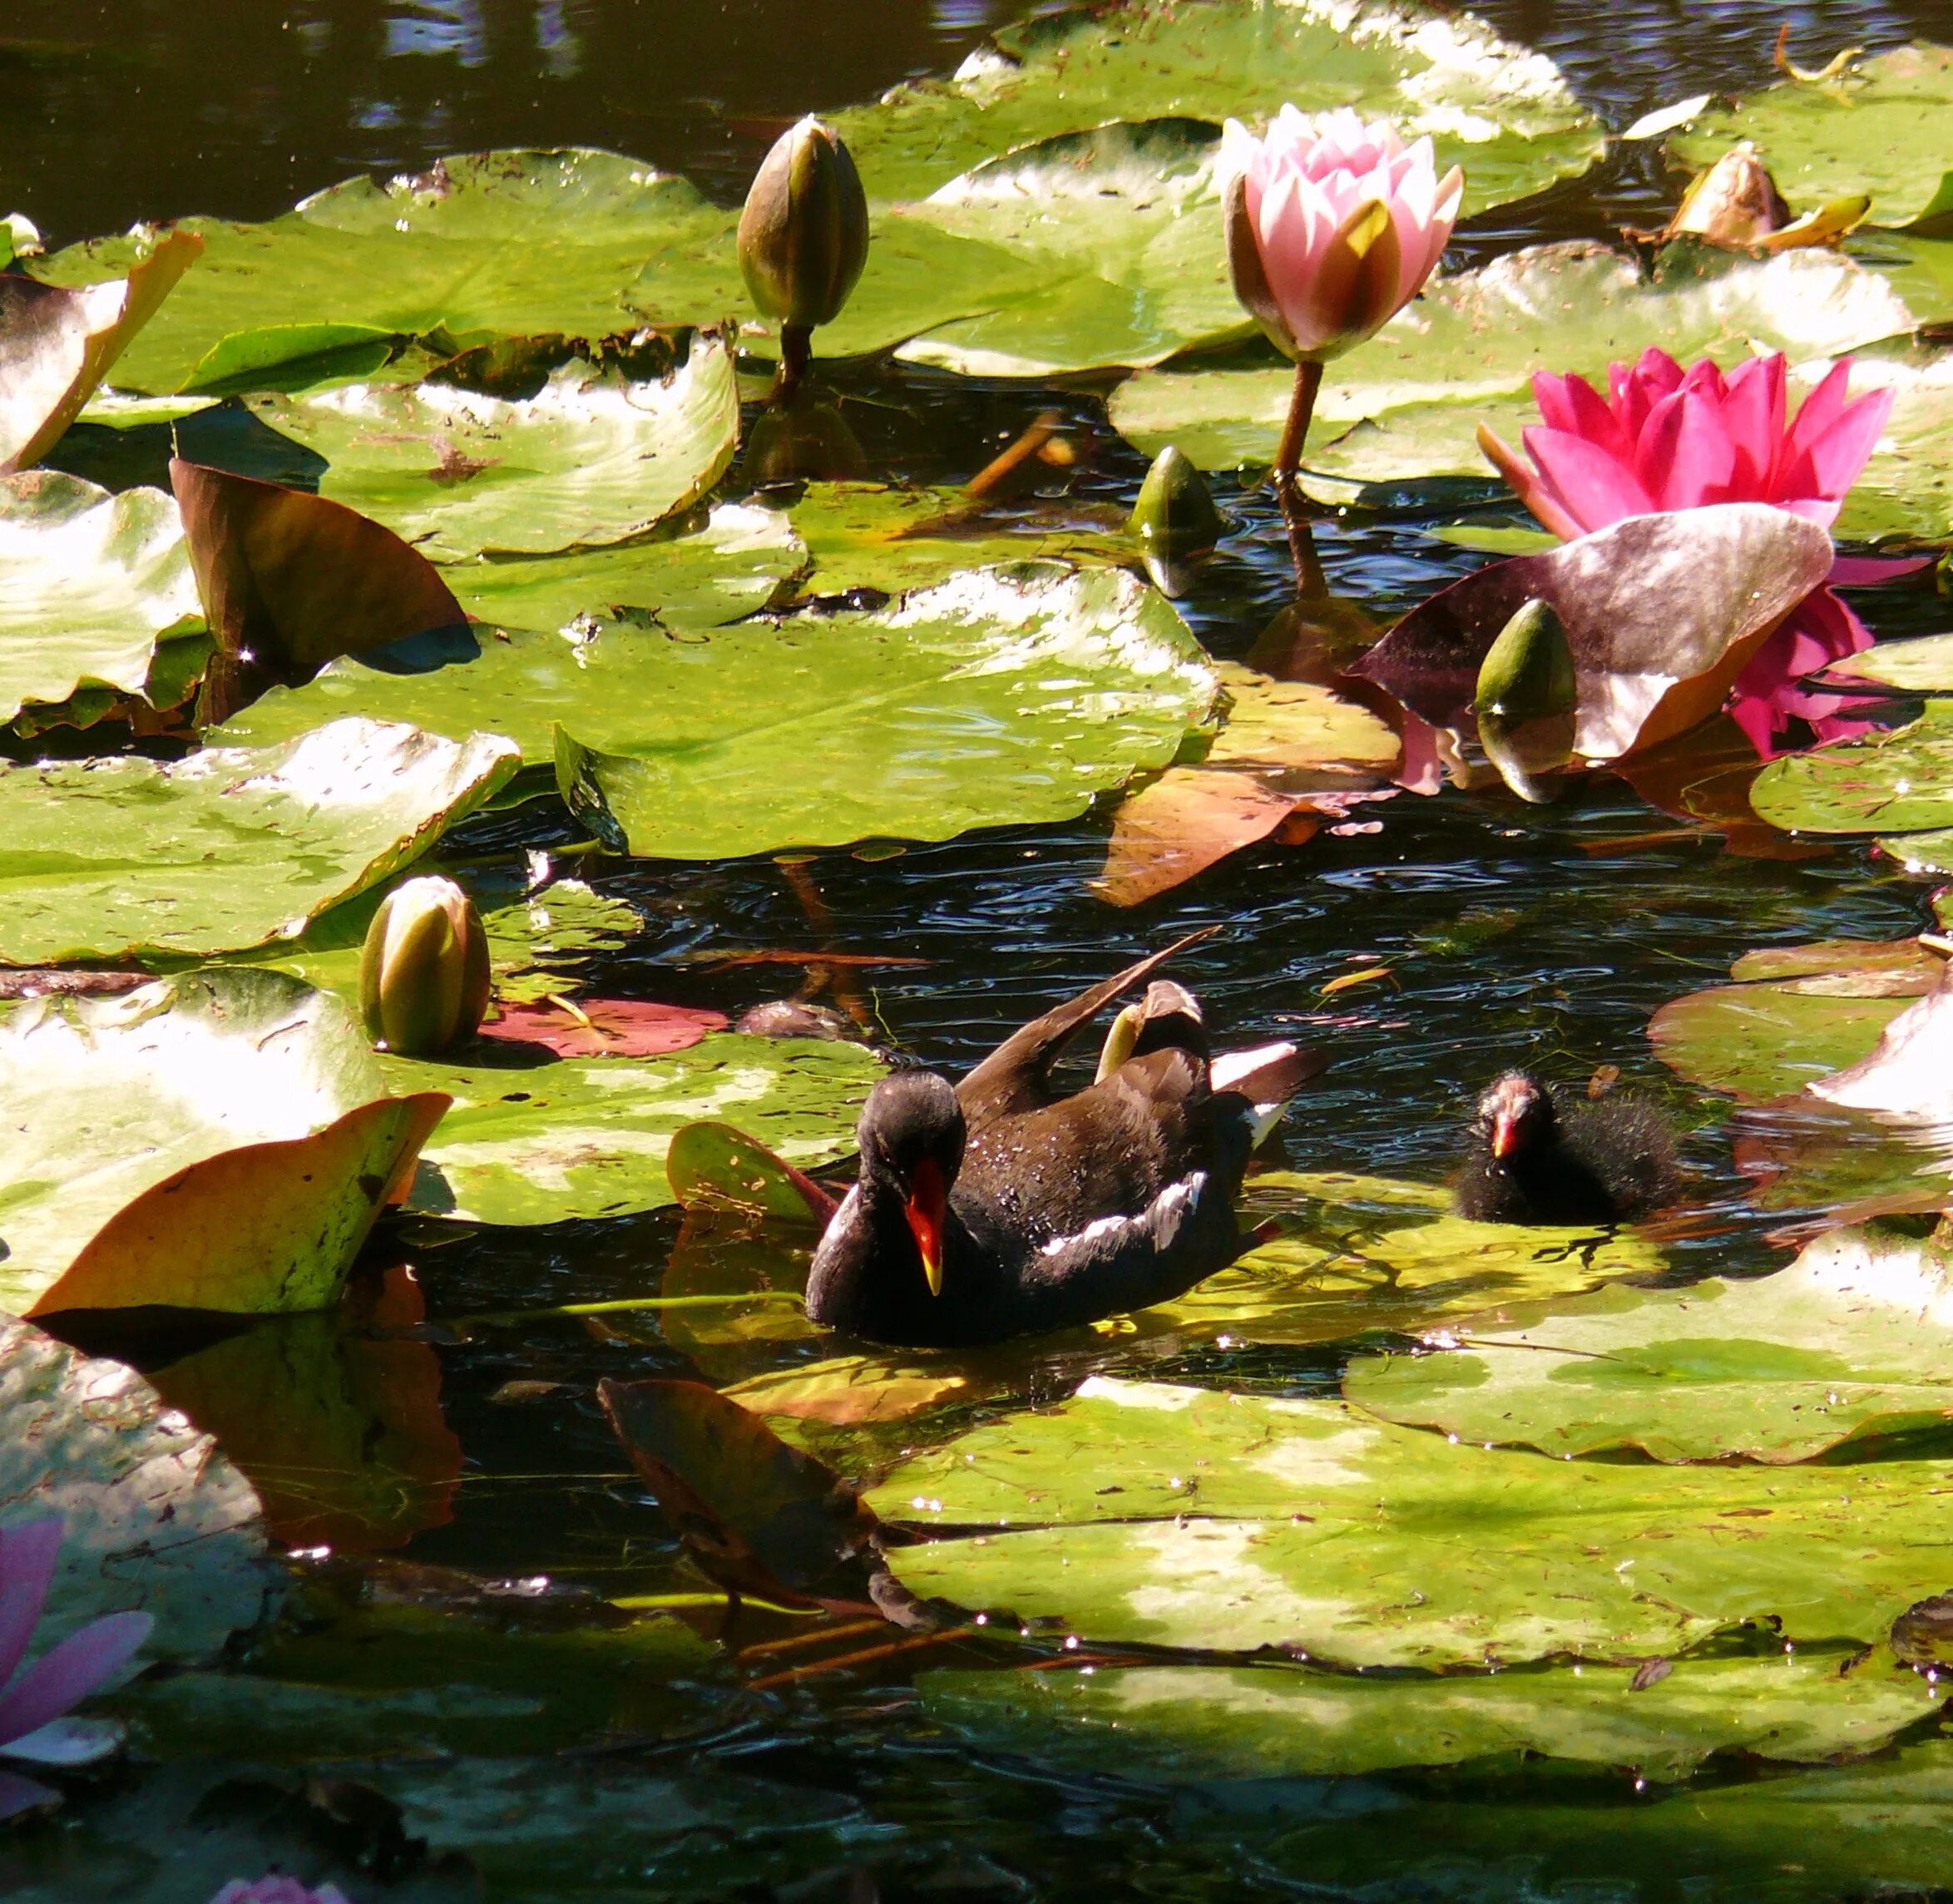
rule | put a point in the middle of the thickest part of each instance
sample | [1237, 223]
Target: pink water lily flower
[1665, 438]
[32, 1703]
[1333, 225]
[278, 1889]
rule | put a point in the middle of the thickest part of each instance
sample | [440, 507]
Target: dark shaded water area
[1509, 933]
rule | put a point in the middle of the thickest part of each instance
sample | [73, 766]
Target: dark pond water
[1510, 933]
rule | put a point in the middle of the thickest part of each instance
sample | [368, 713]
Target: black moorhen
[997, 1207]
[1541, 1153]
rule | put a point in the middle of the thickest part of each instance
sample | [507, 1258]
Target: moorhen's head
[910, 1136]
[1515, 1116]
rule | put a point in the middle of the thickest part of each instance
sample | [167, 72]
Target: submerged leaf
[1183, 1723]
[154, 1517]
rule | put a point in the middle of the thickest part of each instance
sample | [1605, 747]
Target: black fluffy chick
[1541, 1153]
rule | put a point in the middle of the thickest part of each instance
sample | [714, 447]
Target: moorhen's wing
[1012, 1080]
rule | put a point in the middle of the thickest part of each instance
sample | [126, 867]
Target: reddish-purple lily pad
[1662, 613]
[606, 1027]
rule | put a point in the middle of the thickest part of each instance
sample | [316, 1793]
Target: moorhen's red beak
[1504, 1134]
[925, 1207]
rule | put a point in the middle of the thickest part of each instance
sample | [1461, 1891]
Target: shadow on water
[1497, 932]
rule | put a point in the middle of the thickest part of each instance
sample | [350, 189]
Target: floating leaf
[506, 243]
[1899, 783]
[1772, 1036]
[153, 1516]
[88, 583]
[1002, 697]
[1409, 402]
[1850, 1341]
[218, 1142]
[591, 459]
[1242, 1522]
[1662, 613]
[1189, 819]
[230, 848]
[58, 343]
[529, 1142]
[1506, 114]
[1908, 1074]
[605, 1027]
[289, 357]
[1183, 1723]
[716, 1168]
[1879, 128]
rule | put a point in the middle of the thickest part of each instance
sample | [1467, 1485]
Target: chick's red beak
[1504, 1134]
[926, 1206]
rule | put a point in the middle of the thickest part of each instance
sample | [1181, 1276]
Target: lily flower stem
[1301, 407]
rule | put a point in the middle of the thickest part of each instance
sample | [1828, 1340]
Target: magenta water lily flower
[34, 1702]
[1664, 438]
[1334, 226]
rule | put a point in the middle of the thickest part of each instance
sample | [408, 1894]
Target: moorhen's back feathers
[1546, 1153]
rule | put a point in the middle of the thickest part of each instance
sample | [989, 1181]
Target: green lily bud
[1174, 514]
[1526, 700]
[803, 236]
[423, 972]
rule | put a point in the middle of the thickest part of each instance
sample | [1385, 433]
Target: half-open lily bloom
[1334, 226]
[32, 1703]
[1666, 438]
[278, 1889]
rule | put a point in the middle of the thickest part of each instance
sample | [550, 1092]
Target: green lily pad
[1898, 783]
[1884, 127]
[1309, 1527]
[1923, 667]
[1241, 1722]
[1005, 696]
[154, 1517]
[230, 848]
[611, 616]
[528, 1142]
[175, 1093]
[1848, 1341]
[1122, 226]
[494, 243]
[1504, 113]
[1409, 402]
[591, 459]
[1376, 1254]
[1773, 1037]
[88, 583]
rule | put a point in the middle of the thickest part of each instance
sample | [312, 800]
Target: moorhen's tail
[1012, 1079]
[1267, 1077]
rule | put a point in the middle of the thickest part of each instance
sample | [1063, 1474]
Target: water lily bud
[1528, 671]
[1527, 697]
[1174, 514]
[803, 236]
[424, 973]
[1734, 204]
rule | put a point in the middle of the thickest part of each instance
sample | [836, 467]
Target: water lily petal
[1595, 488]
[18, 1795]
[28, 1550]
[68, 1672]
[1685, 459]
